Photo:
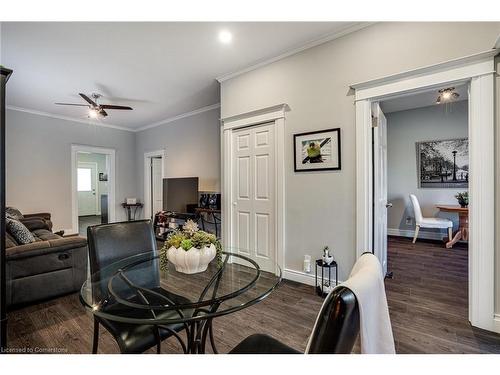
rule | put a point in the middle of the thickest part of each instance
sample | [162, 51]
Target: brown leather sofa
[49, 267]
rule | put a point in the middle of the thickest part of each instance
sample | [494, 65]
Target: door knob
[234, 203]
[388, 205]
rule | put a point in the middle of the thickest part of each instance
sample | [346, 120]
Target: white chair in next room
[429, 222]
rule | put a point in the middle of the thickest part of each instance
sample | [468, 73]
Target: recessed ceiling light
[225, 37]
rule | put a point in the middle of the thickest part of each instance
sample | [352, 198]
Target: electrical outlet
[409, 220]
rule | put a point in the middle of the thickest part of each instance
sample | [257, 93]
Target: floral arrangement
[463, 199]
[190, 236]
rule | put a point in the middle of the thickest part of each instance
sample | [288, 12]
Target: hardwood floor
[427, 301]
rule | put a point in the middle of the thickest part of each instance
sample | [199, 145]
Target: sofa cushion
[13, 213]
[19, 231]
[45, 247]
[45, 235]
[10, 241]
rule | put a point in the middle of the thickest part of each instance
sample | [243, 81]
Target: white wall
[315, 84]
[38, 170]
[404, 129]
[100, 161]
[192, 146]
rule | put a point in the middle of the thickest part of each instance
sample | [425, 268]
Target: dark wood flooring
[427, 300]
[86, 221]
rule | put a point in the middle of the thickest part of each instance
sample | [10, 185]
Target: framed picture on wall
[317, 151]
[443, 164]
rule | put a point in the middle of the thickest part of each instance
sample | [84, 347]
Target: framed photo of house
[443, 164]
[317, 151]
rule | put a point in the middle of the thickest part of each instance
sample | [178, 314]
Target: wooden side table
[463, 223]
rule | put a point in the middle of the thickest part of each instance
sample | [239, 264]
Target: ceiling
[162, 70]
[419, 100]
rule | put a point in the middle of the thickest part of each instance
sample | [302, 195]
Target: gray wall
[192, 146]
[314, 83]
[39, 163]
[404, 129]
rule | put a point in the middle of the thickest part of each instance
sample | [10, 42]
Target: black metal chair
[109, 243]
[335, 331]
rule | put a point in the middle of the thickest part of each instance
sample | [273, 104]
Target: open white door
[156, 186]
[380, 185]
[87, 185]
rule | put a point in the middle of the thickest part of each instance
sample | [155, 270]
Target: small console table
[129, 207]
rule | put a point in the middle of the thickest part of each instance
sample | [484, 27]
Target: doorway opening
[477, 72]
[420, 167]
[92, 187]
[154, 172]
[92, 190]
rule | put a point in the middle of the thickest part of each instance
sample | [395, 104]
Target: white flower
[190, 226]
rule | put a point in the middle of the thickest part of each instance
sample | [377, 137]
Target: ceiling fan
[96, 110]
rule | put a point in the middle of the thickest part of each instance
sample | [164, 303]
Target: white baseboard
[302, 277]
[67, 232]
[410, 233]
[496, 323]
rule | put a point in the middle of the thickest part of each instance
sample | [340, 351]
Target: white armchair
[428, 222]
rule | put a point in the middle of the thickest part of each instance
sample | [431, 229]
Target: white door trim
[94, 164]
[147, 178]
[111, 166]
[275, 114]
[478, 71]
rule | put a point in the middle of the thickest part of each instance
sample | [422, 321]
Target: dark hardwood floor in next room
[427, 301]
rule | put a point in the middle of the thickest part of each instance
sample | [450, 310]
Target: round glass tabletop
[135, 290]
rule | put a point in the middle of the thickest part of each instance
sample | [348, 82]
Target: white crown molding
[67, 118]
[443, 66]
[111, 126]
[178, 117]
[313, 43]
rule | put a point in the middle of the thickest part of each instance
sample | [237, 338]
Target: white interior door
[86, 187]
[156, 185]
[253, 191]
[380, 185]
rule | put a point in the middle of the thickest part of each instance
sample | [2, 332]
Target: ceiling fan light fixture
[93, 113]
[447, 95]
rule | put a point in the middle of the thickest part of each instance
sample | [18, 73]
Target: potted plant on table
[190, 250]
[463, 199]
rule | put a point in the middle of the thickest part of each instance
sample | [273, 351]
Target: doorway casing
[275, 115]
[478, 72]
[110, 166]
[147, 177]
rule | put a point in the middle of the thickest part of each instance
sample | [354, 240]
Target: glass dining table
[136, 290]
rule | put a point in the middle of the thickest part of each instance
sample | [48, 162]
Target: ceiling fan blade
[77, 105]
[110, 106]
[88, 100]
[102, 112]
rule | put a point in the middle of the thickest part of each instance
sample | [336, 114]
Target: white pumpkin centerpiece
[190, 250]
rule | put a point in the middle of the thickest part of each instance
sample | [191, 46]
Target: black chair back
[110, 243]
[337, 325]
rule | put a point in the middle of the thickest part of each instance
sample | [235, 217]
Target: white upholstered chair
[429, 222]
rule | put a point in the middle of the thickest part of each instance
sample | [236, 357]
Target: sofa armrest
[36, 223]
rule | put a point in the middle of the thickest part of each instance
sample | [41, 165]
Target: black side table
[129, 207]
[320, 288]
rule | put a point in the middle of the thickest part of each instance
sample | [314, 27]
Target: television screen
[178, 193]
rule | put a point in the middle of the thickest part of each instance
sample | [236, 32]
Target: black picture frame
[336, 167]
